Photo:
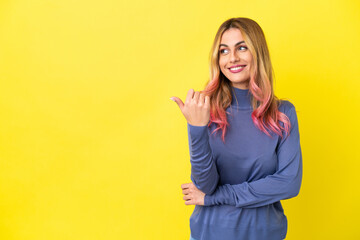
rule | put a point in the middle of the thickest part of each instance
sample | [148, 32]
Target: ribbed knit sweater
[244, 178]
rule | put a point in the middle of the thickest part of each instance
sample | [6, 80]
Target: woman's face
[235, 58]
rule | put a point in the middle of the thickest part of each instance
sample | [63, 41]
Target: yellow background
[91, 146]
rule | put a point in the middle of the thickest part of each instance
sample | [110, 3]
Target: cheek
[222, 62]
[249, 58]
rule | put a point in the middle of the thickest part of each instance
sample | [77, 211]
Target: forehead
[231, 36]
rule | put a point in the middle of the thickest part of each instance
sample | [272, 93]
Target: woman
[240, 176]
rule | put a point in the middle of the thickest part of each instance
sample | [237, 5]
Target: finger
[201, 99]
[207, 101]
[186, 191]
[185, 185]
[196, 97]
[187, 197]
[189, 96]
[179, 102]
[189, 202]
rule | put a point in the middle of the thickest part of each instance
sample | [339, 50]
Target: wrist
[207, 200]
[197, 124]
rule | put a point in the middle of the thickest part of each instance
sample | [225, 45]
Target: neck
[241, 98]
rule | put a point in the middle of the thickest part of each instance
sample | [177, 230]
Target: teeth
[236, 68]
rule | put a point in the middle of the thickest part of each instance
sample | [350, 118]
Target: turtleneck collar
[241, 98]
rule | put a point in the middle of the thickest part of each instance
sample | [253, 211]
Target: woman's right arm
[196, 110]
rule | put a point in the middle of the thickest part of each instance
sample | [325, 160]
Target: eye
[223, 51]
[242, 47]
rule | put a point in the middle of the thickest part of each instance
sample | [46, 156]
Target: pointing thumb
[178, 101]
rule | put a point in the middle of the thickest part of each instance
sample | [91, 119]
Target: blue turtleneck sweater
[245, 178]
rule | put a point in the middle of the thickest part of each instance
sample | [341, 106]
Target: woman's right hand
[196, 109]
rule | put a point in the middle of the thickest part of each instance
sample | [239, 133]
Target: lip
[237, 70]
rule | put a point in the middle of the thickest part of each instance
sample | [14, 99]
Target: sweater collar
[241, 98]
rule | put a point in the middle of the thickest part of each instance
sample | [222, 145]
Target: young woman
[244, 142]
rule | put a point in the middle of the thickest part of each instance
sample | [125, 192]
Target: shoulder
[288, 108]
[285, 106]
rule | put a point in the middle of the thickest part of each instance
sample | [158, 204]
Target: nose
[234, 57]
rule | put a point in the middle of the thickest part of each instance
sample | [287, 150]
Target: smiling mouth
[237, 68]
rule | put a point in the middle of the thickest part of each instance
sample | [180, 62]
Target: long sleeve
[283, 184]
[204, 173]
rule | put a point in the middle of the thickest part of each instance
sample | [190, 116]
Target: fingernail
[172, 99]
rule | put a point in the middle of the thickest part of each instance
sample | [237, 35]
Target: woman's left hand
[192, 195]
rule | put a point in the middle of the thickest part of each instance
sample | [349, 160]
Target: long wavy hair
[265, 115]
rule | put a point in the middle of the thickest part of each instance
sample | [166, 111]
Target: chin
[241, 82]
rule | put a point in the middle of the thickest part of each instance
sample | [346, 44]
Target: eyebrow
[235, 44]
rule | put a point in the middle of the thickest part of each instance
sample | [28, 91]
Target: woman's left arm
[283, 184]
